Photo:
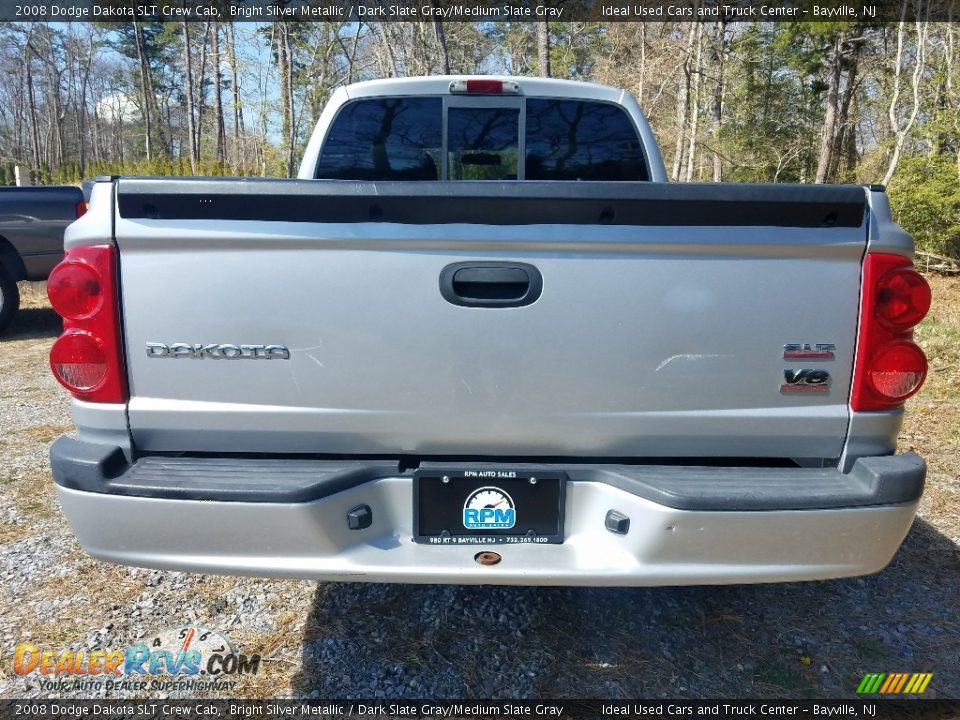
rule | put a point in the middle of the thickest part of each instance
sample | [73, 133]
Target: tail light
[484, 86]
[890, 367]
[80, 208]
[86, 358]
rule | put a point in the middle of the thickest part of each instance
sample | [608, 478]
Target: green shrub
[925, 197]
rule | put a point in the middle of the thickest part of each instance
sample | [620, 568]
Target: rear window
[402, 139]
[384, 139]
[573, 140]
[482, 143]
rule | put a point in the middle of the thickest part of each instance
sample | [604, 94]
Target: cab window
[574, 140]
[401, 138]
[384, 139]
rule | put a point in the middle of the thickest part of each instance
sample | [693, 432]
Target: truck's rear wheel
[9, 298]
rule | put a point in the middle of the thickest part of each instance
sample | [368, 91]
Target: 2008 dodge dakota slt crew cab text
[482, 340]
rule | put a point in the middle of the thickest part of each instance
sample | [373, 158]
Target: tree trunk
[285, 69]
[217, 93]
[188, 71]
[901, 133]
[828, 132]
[543, 46]
[32, 107]
[849, 150]
[238, 130]
[56, 110]
[643, 65]
[951, 91]
[442, 45]
[146, 86]
[81, 110]
[351, 55]
[201, 86]
[57, 113]
[718, 93]
[682, 103]
[387, 60]
[952, 100]
[845, 145]
[695, 109]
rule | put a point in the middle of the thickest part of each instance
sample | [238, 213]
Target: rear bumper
[287, 518]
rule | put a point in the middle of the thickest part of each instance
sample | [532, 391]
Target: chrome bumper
[664, 546]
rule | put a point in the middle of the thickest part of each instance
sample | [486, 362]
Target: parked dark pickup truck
[32, 221]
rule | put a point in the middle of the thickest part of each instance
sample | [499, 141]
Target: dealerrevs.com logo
[188, 657]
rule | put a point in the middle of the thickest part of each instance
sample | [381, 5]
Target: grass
[932, 421]
[31, 497]
[33, 295]
[870, 649]
[781, 675]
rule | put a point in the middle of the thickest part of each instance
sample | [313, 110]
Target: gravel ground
[406, 641]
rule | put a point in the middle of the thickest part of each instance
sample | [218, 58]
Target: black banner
[505, 709]
[478, 10]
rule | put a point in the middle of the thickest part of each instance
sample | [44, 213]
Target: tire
[9, 298]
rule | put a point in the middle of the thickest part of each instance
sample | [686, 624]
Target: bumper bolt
[617, 522]
[360, 517]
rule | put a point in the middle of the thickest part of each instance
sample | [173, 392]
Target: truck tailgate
[659, 331]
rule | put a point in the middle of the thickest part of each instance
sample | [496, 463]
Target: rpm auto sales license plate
[483, 506]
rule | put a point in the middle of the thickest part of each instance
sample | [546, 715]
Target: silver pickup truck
[32, 221]
[481, 339]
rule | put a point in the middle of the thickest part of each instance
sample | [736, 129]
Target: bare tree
[719, 60]
[80, 93]
[695, 110]
[188, 71]
[351, 55]
[949, 52]
[543, 45]
[285, 70]
[31, 101]
[218, 96]
[146, 86]
[902, 131]
[383, 50]
[828, 132]
[845, 144]
[682, 105]
[441, 39]
[238, 129]
[56, 111]
[201, 85]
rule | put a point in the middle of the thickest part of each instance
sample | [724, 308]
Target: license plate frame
[442, 498]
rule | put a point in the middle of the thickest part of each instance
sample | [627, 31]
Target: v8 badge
[807, 380]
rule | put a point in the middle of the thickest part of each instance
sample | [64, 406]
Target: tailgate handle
[490, 284]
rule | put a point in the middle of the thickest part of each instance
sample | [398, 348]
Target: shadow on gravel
[33, 324]
[813, 639]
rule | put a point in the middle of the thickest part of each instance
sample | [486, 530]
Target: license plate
[483, 507]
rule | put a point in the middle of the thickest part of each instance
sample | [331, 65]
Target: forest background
[745, 102]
